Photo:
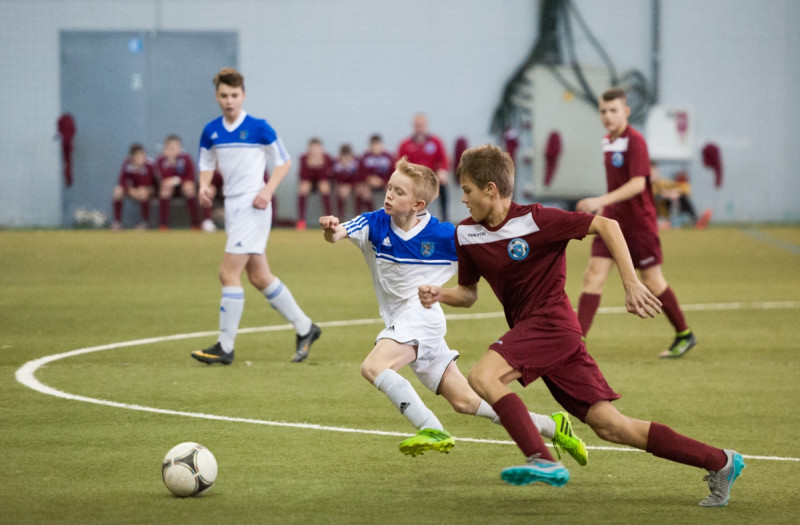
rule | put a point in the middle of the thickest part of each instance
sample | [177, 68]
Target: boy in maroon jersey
[630, 202]
[377, 165]
[315, 175]
[137, 181]
[345, 172]
[175, 172]
[520, 251]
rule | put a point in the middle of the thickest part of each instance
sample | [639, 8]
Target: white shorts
[247, 227]
[425, 329]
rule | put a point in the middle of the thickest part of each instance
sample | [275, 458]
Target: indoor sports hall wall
[344, 69]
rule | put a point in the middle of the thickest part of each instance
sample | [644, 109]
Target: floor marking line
[26, 374]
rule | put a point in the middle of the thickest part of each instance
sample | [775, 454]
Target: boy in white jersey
[404, 246]
[240, 146]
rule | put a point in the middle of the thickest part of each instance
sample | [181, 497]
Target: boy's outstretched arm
[460, 296]
[331, 229]
[638, 299]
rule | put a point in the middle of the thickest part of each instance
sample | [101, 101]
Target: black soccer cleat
[304, 343]
[214, 354]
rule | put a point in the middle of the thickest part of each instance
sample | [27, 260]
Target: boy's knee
[478, 381]
[370, 371]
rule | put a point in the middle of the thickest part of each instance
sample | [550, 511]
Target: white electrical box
[579, 170]
[670, 133]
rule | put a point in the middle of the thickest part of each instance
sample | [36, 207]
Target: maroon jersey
[523, 260]
[430, 152]
[346, 173]
[183, 168]
[132, 177]
[625, 158]
[315, 173]
[380, 165]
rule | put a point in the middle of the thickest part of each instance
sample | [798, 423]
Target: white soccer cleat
[209, 226]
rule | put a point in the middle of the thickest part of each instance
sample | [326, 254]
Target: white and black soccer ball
[189, 469]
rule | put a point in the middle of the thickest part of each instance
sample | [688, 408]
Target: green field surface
[316, 443]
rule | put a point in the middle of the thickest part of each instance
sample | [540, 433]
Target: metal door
[126, 87]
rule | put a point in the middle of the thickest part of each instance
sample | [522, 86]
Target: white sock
[230, 313]
[544, 424]
[405, 398]
[281, 299]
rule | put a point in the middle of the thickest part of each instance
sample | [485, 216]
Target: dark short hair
[172, 137]
[229, 77]
[135, 148]
[613, 94]
[376, 138]
[485, 164]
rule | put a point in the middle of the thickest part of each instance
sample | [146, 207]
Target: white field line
[26, 374]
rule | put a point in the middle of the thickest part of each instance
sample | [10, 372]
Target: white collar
[424, 219]
[238, 122]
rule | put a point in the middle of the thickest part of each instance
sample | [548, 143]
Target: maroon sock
[118, 211]
[163, 212]
[191, 205]
[146, 210]
[207, 212]
[671, 308]
[517, 421]
[326, 203]
[663, 442]
[587, 308]
[301, 207]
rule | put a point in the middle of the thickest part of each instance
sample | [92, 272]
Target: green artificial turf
[71, 461]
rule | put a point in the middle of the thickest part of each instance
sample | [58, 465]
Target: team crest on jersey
[518, 249]
[243, 135]
[426, 248]
[617, 159]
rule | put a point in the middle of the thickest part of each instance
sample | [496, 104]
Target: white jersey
[402, 261]
[240, 152]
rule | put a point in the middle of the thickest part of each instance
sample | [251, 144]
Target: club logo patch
[243, 135]
[426, 248]
[617, 159]
[518, 249]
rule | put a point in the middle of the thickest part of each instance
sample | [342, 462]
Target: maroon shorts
[560, 358]
[645, 248]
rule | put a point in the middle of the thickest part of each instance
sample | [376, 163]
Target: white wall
[344, 69]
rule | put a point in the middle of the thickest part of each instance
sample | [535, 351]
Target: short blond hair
[485, 164]
[424, 180]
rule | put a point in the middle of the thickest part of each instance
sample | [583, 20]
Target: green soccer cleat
[427, 439]
[681, 345]
[565, 439]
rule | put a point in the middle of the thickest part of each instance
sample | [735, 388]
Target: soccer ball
[189, 469]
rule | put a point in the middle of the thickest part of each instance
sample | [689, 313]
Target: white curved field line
[26, 374]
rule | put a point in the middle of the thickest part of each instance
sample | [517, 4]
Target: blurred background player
[345, 172]
[315, 175]
[240, 146]
[377, 166]
[673, 200]
[427, 149]
[630, 202]
[175, 173]
[137, 181]
[404, 247]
